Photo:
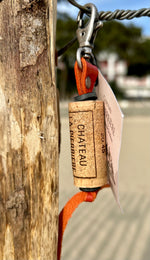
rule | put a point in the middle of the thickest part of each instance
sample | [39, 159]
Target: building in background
[111, 66]
[115, 70]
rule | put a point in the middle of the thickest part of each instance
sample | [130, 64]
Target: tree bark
[28, 131]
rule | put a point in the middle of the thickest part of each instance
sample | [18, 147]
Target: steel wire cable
[124, 14]
[117, 14]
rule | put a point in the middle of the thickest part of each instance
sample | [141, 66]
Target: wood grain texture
[28, 131]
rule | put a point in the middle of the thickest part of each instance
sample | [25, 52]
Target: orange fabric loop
[68, 210]
[88, 71]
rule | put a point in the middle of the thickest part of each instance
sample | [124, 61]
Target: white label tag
[114, 123]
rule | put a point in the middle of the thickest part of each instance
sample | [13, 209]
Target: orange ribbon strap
[89, 72]
[68, 210]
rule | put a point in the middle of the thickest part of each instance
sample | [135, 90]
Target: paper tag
[114, 123]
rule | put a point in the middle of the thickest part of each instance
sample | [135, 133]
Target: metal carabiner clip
[86, 34]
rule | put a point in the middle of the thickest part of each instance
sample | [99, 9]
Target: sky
[111, 5]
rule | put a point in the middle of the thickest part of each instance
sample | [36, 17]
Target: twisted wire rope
[117, 14]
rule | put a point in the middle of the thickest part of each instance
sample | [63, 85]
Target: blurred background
[99, 231]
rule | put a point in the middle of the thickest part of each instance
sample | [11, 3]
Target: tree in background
[66, 28]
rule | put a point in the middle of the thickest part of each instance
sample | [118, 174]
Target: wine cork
[88, 146]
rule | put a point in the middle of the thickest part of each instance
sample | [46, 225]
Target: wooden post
[28, 131]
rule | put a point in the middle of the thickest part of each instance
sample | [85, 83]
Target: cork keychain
[86, 113]
[87, 125]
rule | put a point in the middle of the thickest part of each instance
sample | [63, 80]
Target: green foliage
[118, 92]
[116, 37]
[58, 1]
[66, 31]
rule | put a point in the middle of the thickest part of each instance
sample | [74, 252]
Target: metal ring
[78, 57]
[79, 53]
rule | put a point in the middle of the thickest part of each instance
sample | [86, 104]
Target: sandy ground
[99, 231]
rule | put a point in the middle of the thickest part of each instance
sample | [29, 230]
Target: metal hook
[87, 34]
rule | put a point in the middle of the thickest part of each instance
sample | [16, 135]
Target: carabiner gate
[86, 34]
